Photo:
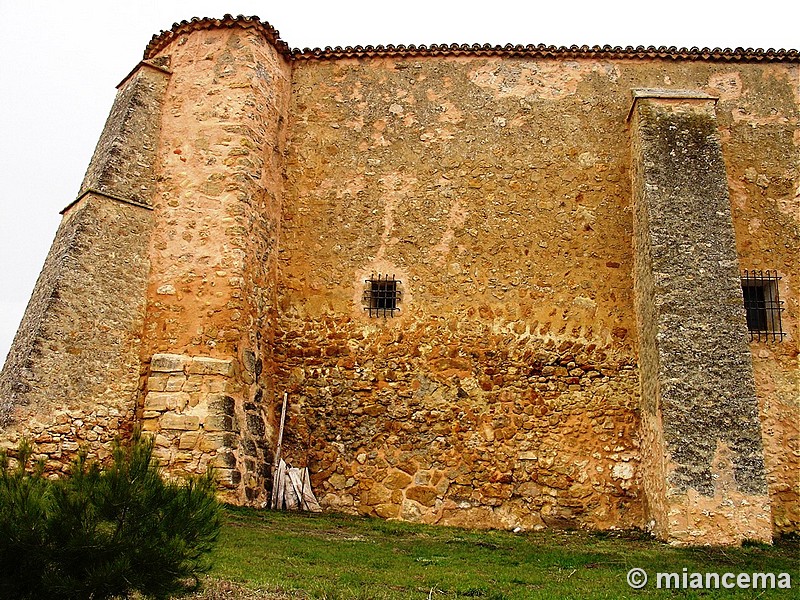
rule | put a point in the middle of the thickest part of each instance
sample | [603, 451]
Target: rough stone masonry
[564, 341]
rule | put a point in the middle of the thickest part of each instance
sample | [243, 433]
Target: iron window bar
[762, 305]
[381, 295]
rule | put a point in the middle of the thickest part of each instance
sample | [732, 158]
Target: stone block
[211, 441]
[43, 438]
[387, 511]
[168, 363]
[338, 481]
[412, 511]
[216, 385]
[218, 423]
[423, 494]
[157, 382]
[622, 471]
[203, 365]
[155, 402]
[195, 398]
[397, 480]
[187, 460]
[163, 454]
[188, 440]
[183, 422]
[166, 401]
[175, 382]
[221, 404]
[255, 424]
[225, 460]
[528, 489]
[151, 424]
[422, 477]
[228, 478]
[193, 383]
[377, 494]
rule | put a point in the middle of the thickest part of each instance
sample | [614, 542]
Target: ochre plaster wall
[212, 284]
[498, 192]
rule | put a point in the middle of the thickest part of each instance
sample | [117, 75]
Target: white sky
[60, 61]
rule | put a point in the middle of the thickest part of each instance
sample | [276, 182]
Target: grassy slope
[337, 557]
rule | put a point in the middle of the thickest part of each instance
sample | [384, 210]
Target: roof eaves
[161, 40]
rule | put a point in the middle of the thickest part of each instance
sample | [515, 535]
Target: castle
[517, 286]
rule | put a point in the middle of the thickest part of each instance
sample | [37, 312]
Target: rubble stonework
[536, 372]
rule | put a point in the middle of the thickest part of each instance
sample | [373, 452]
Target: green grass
[332, 557]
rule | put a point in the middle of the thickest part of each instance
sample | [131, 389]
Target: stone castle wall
[498, 191]
[506, 392]
[510, 388]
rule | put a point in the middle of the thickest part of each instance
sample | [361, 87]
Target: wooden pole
[274, 502]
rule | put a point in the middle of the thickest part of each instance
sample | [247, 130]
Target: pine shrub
[101, 533]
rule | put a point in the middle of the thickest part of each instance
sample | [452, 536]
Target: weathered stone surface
[168, 363]
[79, 342]
[214, 441]
[194, 421]
[123, 164]
[188, 440]
[387, 511]
[397, 480]
[220, 195]
[423, 494]
[172, 421]
[161, 401]
[56, 361]
[221, 404]
[218, 423]
[698, 394]
[203, 365]
[338, 481]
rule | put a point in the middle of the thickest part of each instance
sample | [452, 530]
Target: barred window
[381, 295]
[762, 305]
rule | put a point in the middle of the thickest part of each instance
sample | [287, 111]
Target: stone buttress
[72, 375]
[704, 463]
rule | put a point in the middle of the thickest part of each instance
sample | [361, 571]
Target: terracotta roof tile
[158, 42]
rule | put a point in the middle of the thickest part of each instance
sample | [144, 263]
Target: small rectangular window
[381, 296]
[762, 305]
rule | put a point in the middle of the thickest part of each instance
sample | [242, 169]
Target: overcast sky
[61, 60]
